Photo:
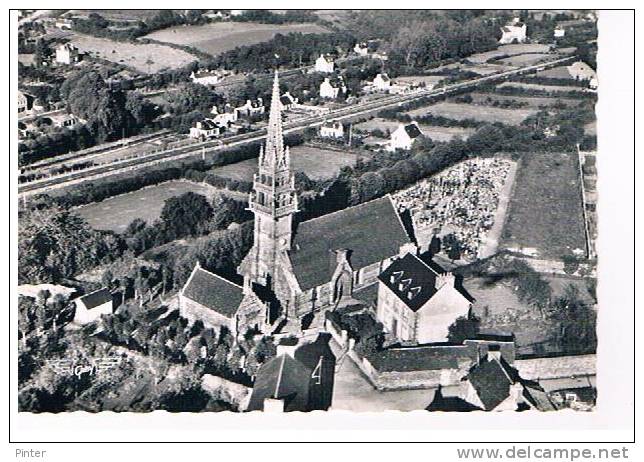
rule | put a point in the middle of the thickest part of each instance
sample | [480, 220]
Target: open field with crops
[532, 102]
[545, 211]
[317, 163]
[527, 59]
[215, 38]
[539, 87]
[473, 111]
[145, 58]
[509, 50]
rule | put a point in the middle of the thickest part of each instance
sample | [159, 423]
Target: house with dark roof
[418, 301]
[333, 130]
[206, 128]
[514, 32]
[252, 108]
[298, 378]
[92, 306]
[404, 136]
[218, 302]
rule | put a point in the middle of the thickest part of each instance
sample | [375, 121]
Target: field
[145, 58]
[315, 162]
[535, 86]
[510, 50]
[117, 212]
[560, 72]
[215, 38]
[429, 80]
[435, 132]
[533, 102]
[527, 59]
[120, 15]
[472, 111]
[545, 210]
[487, 69]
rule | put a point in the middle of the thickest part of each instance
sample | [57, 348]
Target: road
[65, 179]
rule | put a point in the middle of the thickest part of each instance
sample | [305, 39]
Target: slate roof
[450, 403]
[371, 231]
[411, 280]
[96, 298]
[213, 292]
[281, 377]
[491, 382]
[412, 131]
[309, 354]
[430, 357]
[207, 124]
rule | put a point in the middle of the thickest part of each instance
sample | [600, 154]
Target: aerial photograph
[306, 210]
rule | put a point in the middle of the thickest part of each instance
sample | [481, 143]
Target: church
[310, 266]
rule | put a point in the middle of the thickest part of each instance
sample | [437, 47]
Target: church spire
[274, 153]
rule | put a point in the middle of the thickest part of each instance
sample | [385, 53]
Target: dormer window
[413, 292]
[395, 276]
[404, 284]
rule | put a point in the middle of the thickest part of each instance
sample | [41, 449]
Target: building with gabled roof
[514, 32]
[331, 129]
[67, 53]
[404, 136]
[324, 64]
[381, 82]
[92, 306]
[418, 301]
[206, 128]
[251, 108]
[219, 302]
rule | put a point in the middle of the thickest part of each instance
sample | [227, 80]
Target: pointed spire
[274, 139]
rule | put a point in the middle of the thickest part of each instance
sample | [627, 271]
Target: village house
[579, 70]
[225, 115]
[361, 49]
[288, 101]
[92, 306]
[404, 136]
[381, 82]
[333, 130]
[217, 302]
[252, 108]
[329, 91]
[67, 53]
[206, 128]
[418, 302]
[299, 378]
[66, 120]
[25, 102]
[324, 64]
[207, 77]
[559, 32]
[64, 24]
[514, 32]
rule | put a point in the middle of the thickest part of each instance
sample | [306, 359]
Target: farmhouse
[324, 64]
[514, 32]
[67, 53]
[25, 102]
[329, 90]
[418, 302]
[208, 77]
[559, 32]
[251, 108]
[207, 128]
[381, 82]
[361, 49]
[321, 260]
[298, 378]
[218, 302]
[404, 136]
[90, 307]
[287, 101]
[225, 115]
[579, 70]
[332, 130]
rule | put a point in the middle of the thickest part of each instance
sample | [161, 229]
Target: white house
[418, 302]
[514, 32]
[323, 64]
[332, 130]
[327, 90]
[251, 108]
[381, 82]
[206, 128]
[90, 307]
[404, 136]
[559, 32]
[225, 115]
[206, 77]
[66, 120]
[579, 70]
[25, 102]
[67, 53]
[361, 49]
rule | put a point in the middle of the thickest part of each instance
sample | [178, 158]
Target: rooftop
[213, 292]
[97, 298]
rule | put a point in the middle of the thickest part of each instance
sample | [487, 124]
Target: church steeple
[273, 202]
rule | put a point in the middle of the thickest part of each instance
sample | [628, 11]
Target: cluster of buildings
[383, 83]
[514, 32]
[209, 77]
[461, 201]
[225, 119]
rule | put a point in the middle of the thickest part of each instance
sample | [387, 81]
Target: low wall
[556, 367]
[226, 390]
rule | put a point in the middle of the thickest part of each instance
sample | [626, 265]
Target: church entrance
[342, 288]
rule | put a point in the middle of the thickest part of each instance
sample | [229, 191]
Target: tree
[464, 328]
[186, 215]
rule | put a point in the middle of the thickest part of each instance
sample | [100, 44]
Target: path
[491, 241]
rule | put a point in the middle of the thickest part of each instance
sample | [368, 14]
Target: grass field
[527, 59]
[533, 102]
[560, 72]
[117, 212]
[215, 38]
[434, 132]
[145, 58]
[535, 86]
[487, 69]
[121, 15]
[315, 162]
[510, 50]
[476, 112]
[545, 209]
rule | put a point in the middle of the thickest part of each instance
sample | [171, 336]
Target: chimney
[289, 348]
[494, 353]
[445, 279]
[342, 255]
[246, 289]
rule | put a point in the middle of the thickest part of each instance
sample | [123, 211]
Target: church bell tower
[273, 201]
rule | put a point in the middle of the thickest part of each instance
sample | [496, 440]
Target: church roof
[492, 383]
[213, 292]
[411, 280]
[371, 232]
[96, 298]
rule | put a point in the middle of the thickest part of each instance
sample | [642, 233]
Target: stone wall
[227, 391]
[556, 367]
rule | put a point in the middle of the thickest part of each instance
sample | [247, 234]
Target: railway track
[45, 184]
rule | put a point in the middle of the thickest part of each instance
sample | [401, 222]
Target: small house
[92, 306]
